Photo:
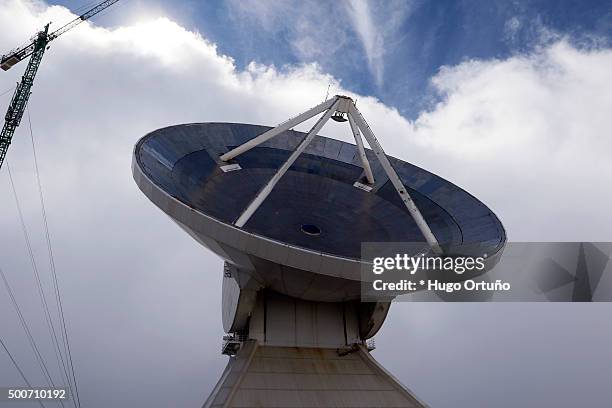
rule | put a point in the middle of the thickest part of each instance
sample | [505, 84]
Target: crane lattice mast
[36, 48]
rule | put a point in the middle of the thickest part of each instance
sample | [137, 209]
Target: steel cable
[58, 297]
[26, 328]
[41, 292]
[19, 369]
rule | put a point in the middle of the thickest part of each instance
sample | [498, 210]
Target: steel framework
[337, 106]
[22, 93]
[36, 49]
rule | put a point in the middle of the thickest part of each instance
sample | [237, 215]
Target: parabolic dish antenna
[288, 212]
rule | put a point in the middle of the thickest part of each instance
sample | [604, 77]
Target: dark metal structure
[36, 49]
[23, 90]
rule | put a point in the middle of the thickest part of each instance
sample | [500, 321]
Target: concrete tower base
[290, 352]
[270, 376]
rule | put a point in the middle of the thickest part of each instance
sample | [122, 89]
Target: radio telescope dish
[288, 211]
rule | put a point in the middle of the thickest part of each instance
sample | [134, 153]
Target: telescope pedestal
[299, 353]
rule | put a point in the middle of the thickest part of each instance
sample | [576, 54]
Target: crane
[36, 48]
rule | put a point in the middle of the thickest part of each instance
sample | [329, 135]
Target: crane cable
[26, 328]
[7, 91]
[18, 369]
[41, 292]
[83, 7]
[58, 297]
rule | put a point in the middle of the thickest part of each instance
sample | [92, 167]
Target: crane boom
[36, 48]
[22, 93]
[13, 57]
[85, 16]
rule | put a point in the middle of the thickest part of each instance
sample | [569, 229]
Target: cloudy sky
[509, 100]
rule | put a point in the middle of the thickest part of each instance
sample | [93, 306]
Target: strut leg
[361, 149]
[279, 129]
[395, 180]
[267, 189]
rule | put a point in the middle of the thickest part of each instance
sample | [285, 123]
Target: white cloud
[311, 27]
[528, 135]
[372, 40]
[323, 31]
[536, 129]
[376, 23]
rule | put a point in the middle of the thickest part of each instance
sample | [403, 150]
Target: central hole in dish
[311, 229]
